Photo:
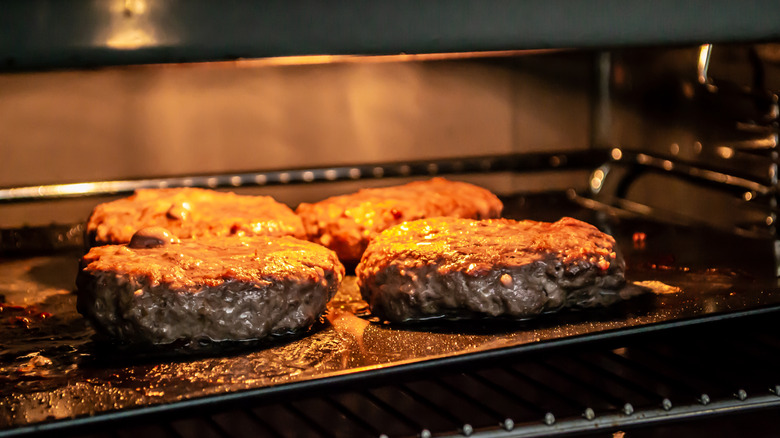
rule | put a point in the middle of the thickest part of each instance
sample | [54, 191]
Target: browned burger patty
[448, 267]
[157, 290]
[347, 223]
[191, 212]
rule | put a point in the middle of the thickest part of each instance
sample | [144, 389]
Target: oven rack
[750, 190]
[697, 373]
[518, 162]
[730, 180]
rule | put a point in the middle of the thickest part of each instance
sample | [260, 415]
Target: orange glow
[355, 59]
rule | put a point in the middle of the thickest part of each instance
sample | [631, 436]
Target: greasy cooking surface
[191, 212]
[50, 368]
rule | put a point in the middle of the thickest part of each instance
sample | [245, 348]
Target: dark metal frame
[83, 33]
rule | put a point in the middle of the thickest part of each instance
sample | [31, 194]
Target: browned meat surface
[347, 223]
[159, 291]
[191, 212]
[449, 267]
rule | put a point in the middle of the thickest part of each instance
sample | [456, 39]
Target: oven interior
[671, 149]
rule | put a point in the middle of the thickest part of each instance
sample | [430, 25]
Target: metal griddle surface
[51, 369]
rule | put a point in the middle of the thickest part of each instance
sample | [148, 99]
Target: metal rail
[521, 162]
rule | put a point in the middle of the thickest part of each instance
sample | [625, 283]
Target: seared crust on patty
[232, 288]
[191, 212]
[347, 223]
[449, 267]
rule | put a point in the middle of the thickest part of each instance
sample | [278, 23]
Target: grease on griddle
[659, 287]
[21, 316]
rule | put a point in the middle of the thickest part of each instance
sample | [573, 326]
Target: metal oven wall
[135, 122]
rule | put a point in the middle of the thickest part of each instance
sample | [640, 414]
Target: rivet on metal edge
[508, 424]
[704, 399]
[589, 414]
[741, 394]
[628, 409]
[467, 429]
[666, 404]
[331, 174]
[425, 433]
[549, 419]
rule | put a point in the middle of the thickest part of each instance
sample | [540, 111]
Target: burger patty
[159, 290]
[460, 268]
[191, 212]
[347, 223]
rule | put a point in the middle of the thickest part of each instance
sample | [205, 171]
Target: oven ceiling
[79, 33]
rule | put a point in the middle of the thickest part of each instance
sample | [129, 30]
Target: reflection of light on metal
[770, 220]
[697, 147]
[597, 179]
[704, 62]
[616, 154]
[667, 165]
[59, 190]
[643, 159]
[362, 59]
[131, 39]
[747, 196]
[328, 59]
[74, 189]
[128, 28]
[725, 152]
[136, 7]
[710, 305]
[759, 143]
[675, 149]
[687, 90]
